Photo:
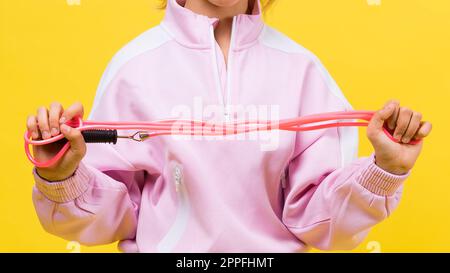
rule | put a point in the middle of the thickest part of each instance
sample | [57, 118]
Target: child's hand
[405, 125]
[48, 123]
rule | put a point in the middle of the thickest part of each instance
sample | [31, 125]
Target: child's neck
[225, 14]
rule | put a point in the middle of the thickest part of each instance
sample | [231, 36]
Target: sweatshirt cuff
[66, 190]
[379, 181]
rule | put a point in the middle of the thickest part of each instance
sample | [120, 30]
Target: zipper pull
[178, 178]
[283, 179]
[226, 115]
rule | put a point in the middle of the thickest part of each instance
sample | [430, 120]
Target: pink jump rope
[106, 132]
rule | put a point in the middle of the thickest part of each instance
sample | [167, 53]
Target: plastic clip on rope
[106, 132]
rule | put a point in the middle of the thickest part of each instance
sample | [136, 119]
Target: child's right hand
[48, 123]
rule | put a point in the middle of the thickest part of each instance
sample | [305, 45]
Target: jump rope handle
[100, 136]
[90, 136]
[94, 135]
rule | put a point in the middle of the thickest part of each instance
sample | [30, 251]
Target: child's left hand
[405, 125]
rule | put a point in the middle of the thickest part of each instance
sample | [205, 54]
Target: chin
[224, 3]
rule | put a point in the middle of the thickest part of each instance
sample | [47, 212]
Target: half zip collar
[193, 30]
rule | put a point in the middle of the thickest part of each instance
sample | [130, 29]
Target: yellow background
[51, 51]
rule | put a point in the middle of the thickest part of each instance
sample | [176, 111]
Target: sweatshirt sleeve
[333, 199]
[99, 204]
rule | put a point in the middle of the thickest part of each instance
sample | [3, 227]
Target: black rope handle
[100, 136]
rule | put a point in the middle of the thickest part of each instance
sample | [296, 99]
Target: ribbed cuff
[66, 190]
[379, 181]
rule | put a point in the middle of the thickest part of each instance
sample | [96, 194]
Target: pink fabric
[218, 195]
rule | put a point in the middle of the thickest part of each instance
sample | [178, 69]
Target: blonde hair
[264, 4]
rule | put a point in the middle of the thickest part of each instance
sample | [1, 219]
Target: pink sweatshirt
[222, 195]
